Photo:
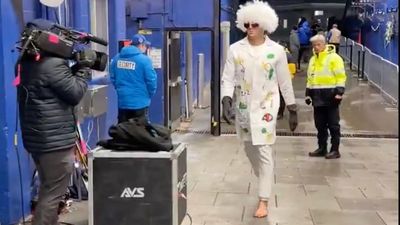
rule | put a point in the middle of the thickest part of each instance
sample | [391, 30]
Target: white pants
[260, 157]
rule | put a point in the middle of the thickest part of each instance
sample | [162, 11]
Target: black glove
[308, 100]
[227, 106]
[292, 116]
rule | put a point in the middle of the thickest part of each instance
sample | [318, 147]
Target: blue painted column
[10, 196]
[81, 15]
[117, 31]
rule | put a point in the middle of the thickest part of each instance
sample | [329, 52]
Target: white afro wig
[259, 12]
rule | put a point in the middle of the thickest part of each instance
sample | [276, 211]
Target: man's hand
[308, 100]
[227, 106]
[338, 99]
[292, 117]
[85, 73]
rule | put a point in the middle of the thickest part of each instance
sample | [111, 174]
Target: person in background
[134, 78]
[334, 36]
[304, 33]
[255, 68]
[292, 68]
[326, 79]
[294, 44]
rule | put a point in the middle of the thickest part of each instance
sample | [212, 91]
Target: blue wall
[374, 40]
[10, 198]
[158, 15]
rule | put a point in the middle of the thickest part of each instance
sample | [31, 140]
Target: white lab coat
[254, 73]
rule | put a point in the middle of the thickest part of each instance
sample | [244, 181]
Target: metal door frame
[215, 78]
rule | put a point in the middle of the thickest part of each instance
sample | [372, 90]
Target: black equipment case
[137, 188]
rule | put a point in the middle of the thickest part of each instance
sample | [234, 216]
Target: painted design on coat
[268, 69]
[240, 62]
[245, 90]
[266, 66]
[242, 105]
[268, 117]
[268, 135]
[245, 130]
[271, 73]
[264, 130]
[267, 98]
[270, 56]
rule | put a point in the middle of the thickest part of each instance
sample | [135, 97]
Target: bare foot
[262, 210]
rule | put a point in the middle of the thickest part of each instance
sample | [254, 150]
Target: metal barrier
[390, 79]
[371, 67]
[356, 55]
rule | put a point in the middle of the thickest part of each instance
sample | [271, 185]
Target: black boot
[320, 152]
[333, 155]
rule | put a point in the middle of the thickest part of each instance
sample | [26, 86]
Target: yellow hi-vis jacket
[326, 70]
[326, 76]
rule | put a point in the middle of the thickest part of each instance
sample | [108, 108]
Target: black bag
[138, 135]
[79, 178]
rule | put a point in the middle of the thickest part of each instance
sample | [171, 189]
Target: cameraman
[48, 91]
[134, 79]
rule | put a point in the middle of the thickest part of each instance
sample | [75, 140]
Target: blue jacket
[304, 33]
[134, 78]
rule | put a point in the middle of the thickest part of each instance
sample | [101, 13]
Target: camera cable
[17, 152]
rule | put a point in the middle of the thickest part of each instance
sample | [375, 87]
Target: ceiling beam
[295, 6]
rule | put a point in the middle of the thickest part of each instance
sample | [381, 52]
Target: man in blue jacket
[134, 79]
[304, 32]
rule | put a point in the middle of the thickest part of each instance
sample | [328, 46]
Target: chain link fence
[371, 67]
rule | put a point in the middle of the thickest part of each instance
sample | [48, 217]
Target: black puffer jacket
[47, 95]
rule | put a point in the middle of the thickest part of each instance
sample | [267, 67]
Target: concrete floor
[361, 188]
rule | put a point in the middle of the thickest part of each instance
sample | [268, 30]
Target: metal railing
[371, 67]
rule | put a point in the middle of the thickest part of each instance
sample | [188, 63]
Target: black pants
[282, 104]
[55, 170]
[327, 117]
[126, 114]
[337, 46]
[304, 52]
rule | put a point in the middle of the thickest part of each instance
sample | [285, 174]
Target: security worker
[134, 79]
[326, 80]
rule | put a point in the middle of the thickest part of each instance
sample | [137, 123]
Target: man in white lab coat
[255, 69]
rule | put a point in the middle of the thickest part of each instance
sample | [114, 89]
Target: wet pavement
[361, 188]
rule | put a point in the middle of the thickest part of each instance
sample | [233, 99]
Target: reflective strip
[322, 80]
[323, 87]
[339, 71]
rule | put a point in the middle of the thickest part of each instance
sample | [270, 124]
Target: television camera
[42, 37]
